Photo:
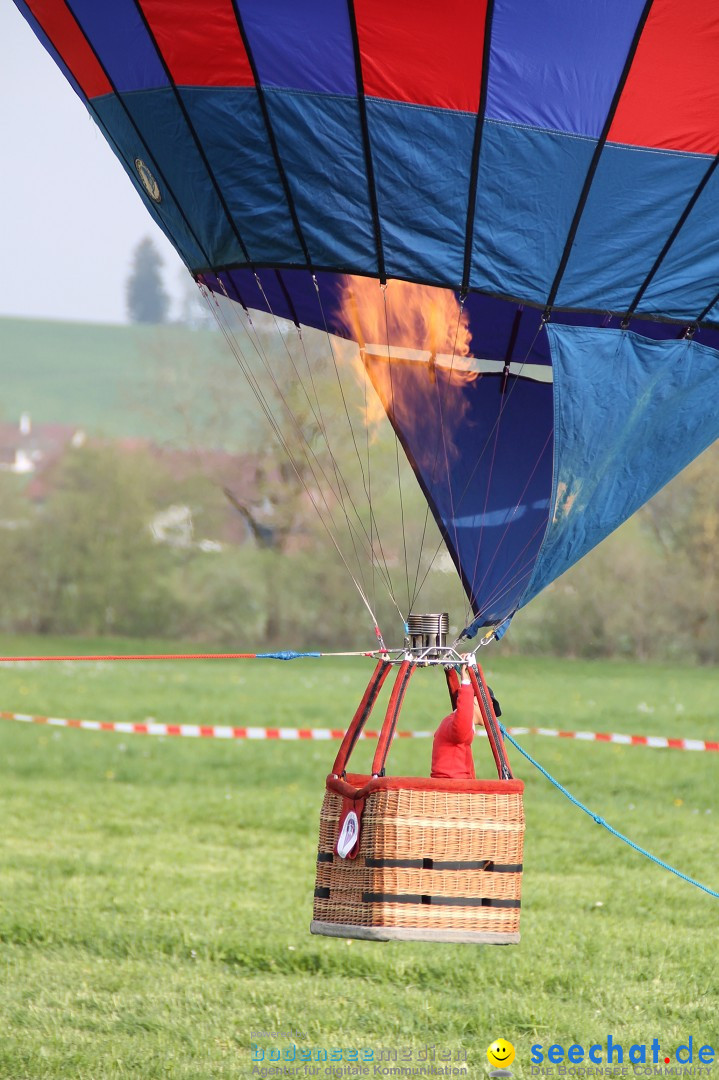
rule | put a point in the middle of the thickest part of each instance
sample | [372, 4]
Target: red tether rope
[149, 656]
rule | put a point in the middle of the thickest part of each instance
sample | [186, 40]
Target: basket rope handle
[481, 692]
[405, 673]
[452, 678]
[361, 717]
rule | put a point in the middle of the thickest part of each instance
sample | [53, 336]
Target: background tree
[97, 568]
[147, 301]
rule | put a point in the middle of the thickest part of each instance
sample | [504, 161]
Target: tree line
[86, 561]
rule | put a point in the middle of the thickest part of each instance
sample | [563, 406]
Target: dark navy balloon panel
[323, 64]
[119, 38]
[481, 448]
[499, 329]
[555, 66]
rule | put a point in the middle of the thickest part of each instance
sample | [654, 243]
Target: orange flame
[402, 322]
[405, 315]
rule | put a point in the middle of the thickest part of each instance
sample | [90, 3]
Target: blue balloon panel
[630, 414]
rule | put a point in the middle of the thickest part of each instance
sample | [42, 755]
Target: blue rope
[284, 655]
[600, 821]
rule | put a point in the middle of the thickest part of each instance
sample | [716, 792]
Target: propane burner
[428, 631]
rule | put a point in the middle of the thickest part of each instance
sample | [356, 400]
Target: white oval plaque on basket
[348, 835]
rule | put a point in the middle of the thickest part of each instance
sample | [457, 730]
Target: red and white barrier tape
[202, 731]
[658, 742]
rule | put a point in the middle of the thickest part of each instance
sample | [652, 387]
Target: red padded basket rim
[358, 786]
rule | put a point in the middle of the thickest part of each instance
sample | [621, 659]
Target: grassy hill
[118, 380]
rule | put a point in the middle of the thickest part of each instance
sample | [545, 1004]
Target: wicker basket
[437, 860]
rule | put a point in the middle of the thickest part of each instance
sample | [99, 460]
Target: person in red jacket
[452, 746]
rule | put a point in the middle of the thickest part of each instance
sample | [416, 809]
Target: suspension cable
[319, 420]
[366, 481]
[436, 454]
[257, 392]
[307, 449]
[396, 442]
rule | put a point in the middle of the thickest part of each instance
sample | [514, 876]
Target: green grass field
[155, 894]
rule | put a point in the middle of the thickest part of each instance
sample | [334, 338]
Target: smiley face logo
[500, 1054]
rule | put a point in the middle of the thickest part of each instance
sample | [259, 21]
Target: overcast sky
[69, 216]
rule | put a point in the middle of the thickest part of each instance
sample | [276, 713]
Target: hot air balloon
[548, 169]
[551, 164]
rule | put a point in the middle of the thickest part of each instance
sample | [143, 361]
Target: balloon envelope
[552, 163]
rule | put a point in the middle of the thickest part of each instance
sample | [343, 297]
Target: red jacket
[452, 746]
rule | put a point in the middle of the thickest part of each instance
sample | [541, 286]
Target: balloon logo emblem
[148, 181]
